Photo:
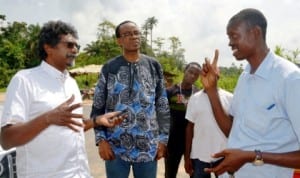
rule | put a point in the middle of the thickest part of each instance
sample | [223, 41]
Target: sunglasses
[71, 45]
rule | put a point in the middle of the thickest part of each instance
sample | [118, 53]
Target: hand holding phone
[119, 117]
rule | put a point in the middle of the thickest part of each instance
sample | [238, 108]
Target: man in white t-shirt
[203, 135]
[39, 116]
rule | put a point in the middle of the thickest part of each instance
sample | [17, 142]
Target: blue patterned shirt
[139, 88]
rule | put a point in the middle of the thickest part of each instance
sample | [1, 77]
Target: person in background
[178, 97]
[203, 135]
[132, 82]
[42, 114]
[264, 118]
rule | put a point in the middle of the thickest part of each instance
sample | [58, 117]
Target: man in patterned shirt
[132, 82]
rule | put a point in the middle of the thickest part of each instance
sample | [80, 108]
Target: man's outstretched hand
[62, 115]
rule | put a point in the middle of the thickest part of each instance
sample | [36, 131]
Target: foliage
[103, 49]
[149, 25]
[291, 55]
[87, 81]
[18, 50]
[228, 82]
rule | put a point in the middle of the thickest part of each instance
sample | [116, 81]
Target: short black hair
[117, 33]
[252, 17]
[51, 33]
[191, 64]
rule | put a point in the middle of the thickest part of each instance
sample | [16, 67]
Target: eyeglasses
[71, 45]
[131, 34]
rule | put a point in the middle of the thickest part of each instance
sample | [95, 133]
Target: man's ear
[257, 31]
[48, 49]
[119, 41]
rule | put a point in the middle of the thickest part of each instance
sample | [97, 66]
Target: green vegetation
[86, 81]
[18, 50]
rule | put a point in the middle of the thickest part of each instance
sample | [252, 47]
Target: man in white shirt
[42, 115]
[203, 135]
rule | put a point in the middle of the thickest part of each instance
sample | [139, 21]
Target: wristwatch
[258, 161]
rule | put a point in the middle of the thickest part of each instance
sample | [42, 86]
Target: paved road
[97, 164]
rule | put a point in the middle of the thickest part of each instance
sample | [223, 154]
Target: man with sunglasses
[42, 114]
[134, 82]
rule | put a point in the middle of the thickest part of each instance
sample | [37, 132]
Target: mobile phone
[217, 161]
[123, 112]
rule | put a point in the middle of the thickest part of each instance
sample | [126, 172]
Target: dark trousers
[172, 162]
[199, 166]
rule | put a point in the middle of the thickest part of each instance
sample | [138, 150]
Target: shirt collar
[52, 71]
[264, 68]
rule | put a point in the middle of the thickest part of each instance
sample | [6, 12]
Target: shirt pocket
[259, 121]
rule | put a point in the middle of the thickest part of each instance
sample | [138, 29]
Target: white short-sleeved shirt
[57, 151]
[266, 114]
[208, 137]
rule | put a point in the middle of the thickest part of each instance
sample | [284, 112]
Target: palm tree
[151, 22]
[105, 30]
[159, 43]
[145, 31]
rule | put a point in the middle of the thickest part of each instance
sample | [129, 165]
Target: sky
[200, 25]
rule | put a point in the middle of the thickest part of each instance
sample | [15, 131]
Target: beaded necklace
[182, 98]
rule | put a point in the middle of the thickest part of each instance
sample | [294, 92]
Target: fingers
[215, 60]
[161, 151]
[105, 151]
[74, 106]
[188, 166]
[222, 166]
[207, 65]
[70, 100]
[112, 114]
[76, 129]
[111, 119]
[220, 154]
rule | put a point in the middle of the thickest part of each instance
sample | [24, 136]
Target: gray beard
[71, 63]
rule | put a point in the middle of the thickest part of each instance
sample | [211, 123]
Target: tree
[152, 21]
[104, 48]
[177, 52]
[291, 55]
[145, 32]
[31, 47]
[105, 30]
[18, 48]
[159, 43]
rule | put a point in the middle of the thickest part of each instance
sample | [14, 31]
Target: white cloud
[199, 24]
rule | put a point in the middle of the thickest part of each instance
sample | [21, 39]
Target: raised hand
[62, 115]
[210, 72]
